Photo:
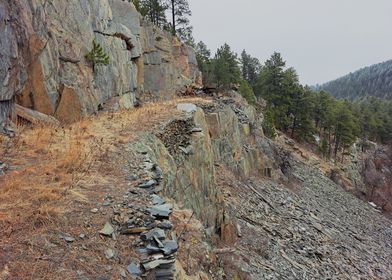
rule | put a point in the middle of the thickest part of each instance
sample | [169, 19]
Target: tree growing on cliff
[154, 11]
[97, 55]
[180, 12]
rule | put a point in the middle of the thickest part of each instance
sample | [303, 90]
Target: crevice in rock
[69, 59]
[122, 36]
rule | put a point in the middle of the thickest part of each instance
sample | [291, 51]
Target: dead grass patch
[53, 168]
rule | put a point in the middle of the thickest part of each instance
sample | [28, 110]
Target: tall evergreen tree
[154, 11]
[270, 80]
[275, 85]
[203, 56]
[225, 67]
[301, 113]
[180, 12]
[345, 128]
[247, 92]
[250, 67]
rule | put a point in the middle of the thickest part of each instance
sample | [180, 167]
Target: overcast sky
[322, 39]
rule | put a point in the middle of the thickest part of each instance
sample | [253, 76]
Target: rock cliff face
[43, 66]
[188, 150]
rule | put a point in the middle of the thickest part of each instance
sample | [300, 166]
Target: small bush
[97, 55]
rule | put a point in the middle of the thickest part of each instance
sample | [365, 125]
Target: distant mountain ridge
[374, 80]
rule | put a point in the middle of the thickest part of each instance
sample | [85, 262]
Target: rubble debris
[170, 247]
[165, 225]
[3, 168]
[107, 230]
[134, 270]
[156, 232]
[157, 200]
[109, 254]
[189, 150]
[148, 184]
[196, 129]
[68, 238]
[161, 211]
[187, 107]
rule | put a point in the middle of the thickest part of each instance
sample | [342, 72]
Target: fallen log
[34, 117]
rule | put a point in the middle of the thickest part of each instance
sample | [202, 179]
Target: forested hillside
[297, 110]
[375, 80]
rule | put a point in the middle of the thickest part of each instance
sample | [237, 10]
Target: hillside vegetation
[372, 81]
[295, 109]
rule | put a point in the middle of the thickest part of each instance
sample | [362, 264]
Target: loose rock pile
[156, 243]
[316, 232]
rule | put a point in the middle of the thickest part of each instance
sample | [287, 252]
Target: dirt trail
[61, 186]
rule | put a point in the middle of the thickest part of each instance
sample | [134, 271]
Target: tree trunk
[173, 18]
[329, 143]
[337, 144]
[293, 129]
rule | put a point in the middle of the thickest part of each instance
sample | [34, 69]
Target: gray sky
[321, 39]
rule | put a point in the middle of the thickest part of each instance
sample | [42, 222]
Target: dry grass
[54, 170]
[48, 163]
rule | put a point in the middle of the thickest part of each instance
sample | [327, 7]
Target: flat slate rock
[165, 225]
[187, 107]
[156, 232]
[109, 254]
[170, 247]
[161, 211]
[157, 200]
[107, 230]
[148, 184]
[156, 263]
[68, 238]
[134, 269]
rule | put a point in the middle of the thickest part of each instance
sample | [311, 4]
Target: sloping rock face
[43, 65]
[226, 133]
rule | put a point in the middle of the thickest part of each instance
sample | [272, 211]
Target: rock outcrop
[43, 65]
[188, 149]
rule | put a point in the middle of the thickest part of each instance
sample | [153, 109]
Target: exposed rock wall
[189, 149]
[43, 47]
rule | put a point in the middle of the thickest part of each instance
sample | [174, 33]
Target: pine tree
[225, 67]
[154, 11]
[270, 80]
[345, 128]
[250, 68]
[136, 3]
[203, 56]
[301, 112]
[97, 55]
[268, 125]
[180, 12]
[276, 85]
[247, 92]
